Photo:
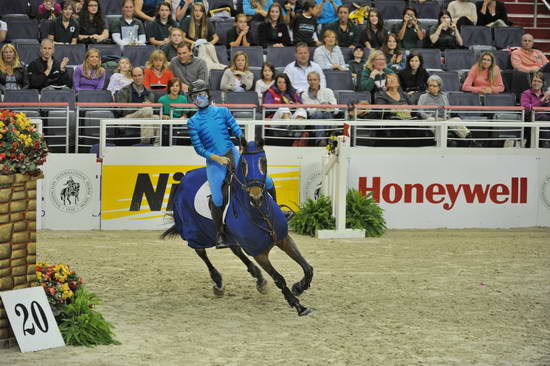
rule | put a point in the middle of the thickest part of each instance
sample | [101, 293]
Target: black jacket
[21, 78]
[268, 35]
[38, 80]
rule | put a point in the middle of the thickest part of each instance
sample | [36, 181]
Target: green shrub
[362, 212]
[313, 215]
[81, 325]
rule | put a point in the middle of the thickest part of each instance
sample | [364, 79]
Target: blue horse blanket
[245, 225]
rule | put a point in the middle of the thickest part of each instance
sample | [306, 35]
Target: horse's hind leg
[214, 274]
[261, 282]
[280, 282]
[289, 247]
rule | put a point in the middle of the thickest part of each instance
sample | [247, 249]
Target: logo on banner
[70, 190]
[545, 192]
[445, 194]
[312, 183]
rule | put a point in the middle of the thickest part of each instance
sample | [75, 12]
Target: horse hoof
[304, 312]
[296, 289]
[218, 291]
[262, 287]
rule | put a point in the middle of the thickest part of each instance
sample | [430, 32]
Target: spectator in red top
[484, 77]
[157, 73]
[526, 58]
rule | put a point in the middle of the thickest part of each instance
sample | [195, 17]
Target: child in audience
[238, 35]
[394, 57]
[266, 80]
[174, 96]
[156, 73]
[122, 76]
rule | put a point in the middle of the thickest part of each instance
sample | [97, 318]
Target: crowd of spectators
[382, 59]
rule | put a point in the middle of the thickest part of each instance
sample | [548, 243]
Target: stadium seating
[339, 80]
[28, 52]
[506, 37]
[44, 29]
[221, 30]
[110, 6]
[23, 96]
[451, 81]
[432, 58]
[391, 9]
[14, 7]
[473, 35]
[249, 97]
[280, 56]
[138, 55]
[459, 59]
[109, 52]
[347, 97]
[75, 52]
[255, 54]
[215, 78]
[22, 29]
[221, 52]
[427, 10]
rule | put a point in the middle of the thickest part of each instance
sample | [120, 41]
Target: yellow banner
[142, 192]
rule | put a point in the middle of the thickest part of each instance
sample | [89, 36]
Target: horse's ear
[260, 143]
[243, 143]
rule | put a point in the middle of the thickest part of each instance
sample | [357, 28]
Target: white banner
[427, 188]
[71, 194]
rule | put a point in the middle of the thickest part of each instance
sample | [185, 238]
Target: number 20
[41, 323]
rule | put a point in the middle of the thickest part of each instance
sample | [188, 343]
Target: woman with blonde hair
[373, 77]
[122, 76]
[156, 72]
[329, 55]
[90, 75]
[170, 49]
[200, 34]
[484, 77]
[13, 73]
[237, 77]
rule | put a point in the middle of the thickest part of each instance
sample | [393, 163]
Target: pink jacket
[477, 80]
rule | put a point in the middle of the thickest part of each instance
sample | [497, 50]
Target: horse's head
[253, 169]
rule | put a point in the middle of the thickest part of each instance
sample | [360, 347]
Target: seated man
[136, 92]
[64, 30]
[186, 67]
[46, 71]
[528, 59]
[317, 95]
[298, 70]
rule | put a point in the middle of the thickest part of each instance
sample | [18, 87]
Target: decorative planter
[17, 240]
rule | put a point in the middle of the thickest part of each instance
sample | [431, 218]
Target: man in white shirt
[298, 70]
[315, 94]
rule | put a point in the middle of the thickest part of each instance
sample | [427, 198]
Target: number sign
[31, 319]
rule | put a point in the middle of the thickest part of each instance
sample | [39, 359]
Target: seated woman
[445, 34]
[463, 11]
[90, 75]
[414, 77]
[49, 10]
[200, 33]
[265, 81]
[492, 13]
[128, 30]
[122, 76]
[170, 49]
[373, 77]
[238, 35]
[145, 9]
[13, 73]
[375, 34]
[257, 10]
[93, 28]
[282, 92]
[409, 32]
[392, 95]
[329, 55]
[395, 58]
[159, 29]
[485, 76]
[237, 77]
[436, 96]
[537, 97]
[274, 32]
[156, 72]
[174, 96]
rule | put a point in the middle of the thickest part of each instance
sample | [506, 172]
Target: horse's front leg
[289, 247]
[261, 282]
[280, 282]
[214, 274]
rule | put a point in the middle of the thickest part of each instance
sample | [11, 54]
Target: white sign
[71, 192]
[31, 319]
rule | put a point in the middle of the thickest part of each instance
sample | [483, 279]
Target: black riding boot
[217, 217]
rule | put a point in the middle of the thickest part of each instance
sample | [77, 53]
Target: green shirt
[167, 102]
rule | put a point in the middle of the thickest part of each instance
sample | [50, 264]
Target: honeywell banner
[456, 189]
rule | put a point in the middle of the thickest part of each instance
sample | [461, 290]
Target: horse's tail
[170, 233]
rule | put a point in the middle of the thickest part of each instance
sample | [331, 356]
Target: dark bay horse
[253, 221]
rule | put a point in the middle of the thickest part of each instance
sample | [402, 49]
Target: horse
[71, 190]
[253, 223]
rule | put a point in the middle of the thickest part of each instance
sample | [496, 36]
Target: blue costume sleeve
[232, 124]
[195, 138]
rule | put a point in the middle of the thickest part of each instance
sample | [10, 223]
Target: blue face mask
[201, 101]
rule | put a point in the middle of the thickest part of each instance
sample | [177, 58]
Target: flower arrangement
[22, 148]
[73, 306]
[59, 282]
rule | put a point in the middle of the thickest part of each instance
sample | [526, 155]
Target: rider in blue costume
[209, 130]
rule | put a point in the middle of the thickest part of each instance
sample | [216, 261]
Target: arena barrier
[55, 118]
